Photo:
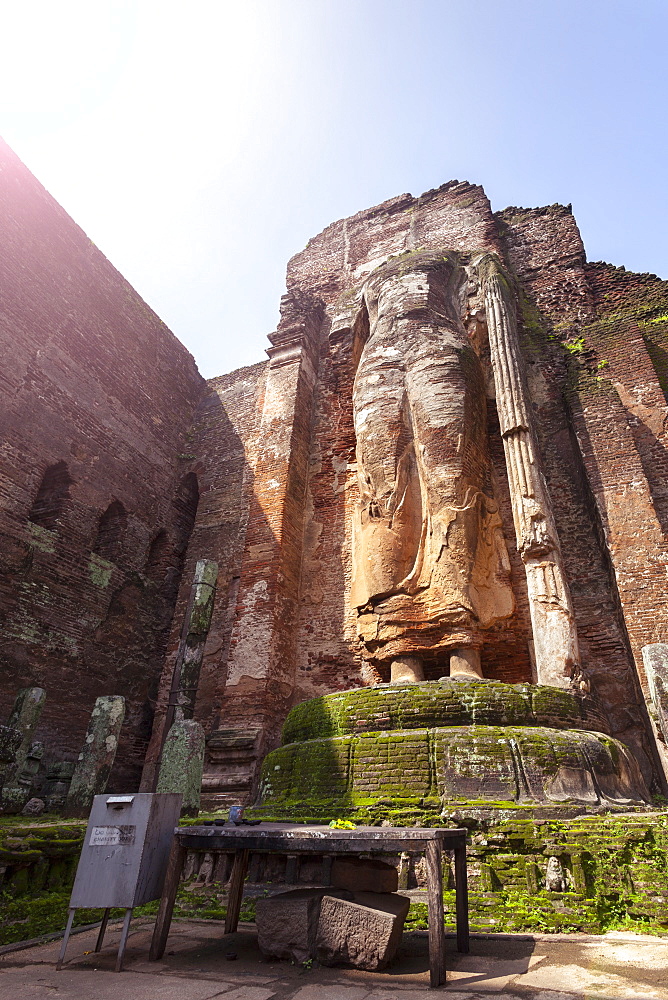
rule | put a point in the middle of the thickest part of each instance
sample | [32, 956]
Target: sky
[200, 144]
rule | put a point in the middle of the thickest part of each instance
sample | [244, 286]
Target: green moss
[42, 539]
[428, 705]
[100, 570]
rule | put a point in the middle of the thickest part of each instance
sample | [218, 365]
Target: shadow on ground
[201, 963]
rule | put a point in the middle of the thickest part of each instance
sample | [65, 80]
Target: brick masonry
[294, 610]
[95, 385]
[120, 468]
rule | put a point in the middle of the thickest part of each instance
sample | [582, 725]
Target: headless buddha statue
[430, 566]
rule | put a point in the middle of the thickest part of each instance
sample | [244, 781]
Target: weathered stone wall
[95, 506]
[591, 874]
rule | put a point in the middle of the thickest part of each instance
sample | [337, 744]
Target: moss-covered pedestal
[447, 750]
[562, 837]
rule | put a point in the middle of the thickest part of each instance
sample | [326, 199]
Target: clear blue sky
[200, 144]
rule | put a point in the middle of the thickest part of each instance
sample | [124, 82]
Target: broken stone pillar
[552, 617]
[25, 717]
[193, 639]
[655, 660]
[182, 764]
[93, 766]
[10, 741]
[184, 682]
[364, 933]
[18, 791]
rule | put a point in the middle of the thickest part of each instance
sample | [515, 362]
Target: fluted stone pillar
[555, 638]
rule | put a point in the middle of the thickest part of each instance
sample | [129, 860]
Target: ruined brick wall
[224, 449]
[95, 503]
[120, 469]
[292, 628]
[600, 414]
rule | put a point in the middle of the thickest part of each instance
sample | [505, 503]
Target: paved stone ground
[202, 964]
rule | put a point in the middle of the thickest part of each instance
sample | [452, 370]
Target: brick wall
[113, 448]
[312, 644]
[96, 386]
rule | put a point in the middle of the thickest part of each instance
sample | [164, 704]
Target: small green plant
[342, 824]
[575, 346]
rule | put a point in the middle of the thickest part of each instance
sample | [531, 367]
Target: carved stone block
[364, 933]
[287, 923]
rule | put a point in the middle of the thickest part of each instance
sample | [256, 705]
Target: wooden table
[284, 838]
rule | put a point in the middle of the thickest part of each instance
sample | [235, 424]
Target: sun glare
[78, 55]
[57, 56]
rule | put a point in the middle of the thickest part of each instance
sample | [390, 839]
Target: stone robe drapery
[431, 570]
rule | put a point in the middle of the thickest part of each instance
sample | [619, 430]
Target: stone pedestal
[460, 744]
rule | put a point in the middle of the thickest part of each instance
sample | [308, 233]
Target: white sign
[112, 836]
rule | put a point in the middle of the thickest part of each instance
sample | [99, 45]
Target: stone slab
[38, 981]
[364, 933]
[476, 974]
[593, 981]
[333, 992]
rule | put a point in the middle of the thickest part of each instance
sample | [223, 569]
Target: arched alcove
[185, 503]
[157, 559]
[52, 495]
[110, 531]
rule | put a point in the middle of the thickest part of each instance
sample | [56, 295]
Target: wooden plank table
[285, 838]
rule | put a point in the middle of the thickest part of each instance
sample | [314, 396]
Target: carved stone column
[555, 637]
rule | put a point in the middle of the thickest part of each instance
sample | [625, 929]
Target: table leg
[462, 899]
[434, 858]
[236, 890]
[177, 857]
